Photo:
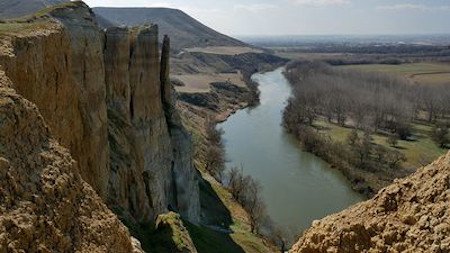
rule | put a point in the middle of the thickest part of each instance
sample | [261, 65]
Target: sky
[308, 17]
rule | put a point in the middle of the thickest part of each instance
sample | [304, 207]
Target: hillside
[17, 8]
[410, 215]
[184, 30]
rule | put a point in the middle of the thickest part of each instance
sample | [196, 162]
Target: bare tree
[246, 191]
[441, 134]
[215, 153]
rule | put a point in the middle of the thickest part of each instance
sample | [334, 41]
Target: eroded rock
[411, 215]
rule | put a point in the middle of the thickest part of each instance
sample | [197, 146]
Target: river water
[298, 187]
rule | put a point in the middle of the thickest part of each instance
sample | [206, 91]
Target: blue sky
[309, 17]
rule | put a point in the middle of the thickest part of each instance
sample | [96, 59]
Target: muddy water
[298, 187]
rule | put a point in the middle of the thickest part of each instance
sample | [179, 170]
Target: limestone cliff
[102, 95]
[45, 206]
[150, 160]
[60, 69]
[411, 215]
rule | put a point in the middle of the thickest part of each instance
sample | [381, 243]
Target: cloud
[413, 7]
[254, 7]
[319, 3]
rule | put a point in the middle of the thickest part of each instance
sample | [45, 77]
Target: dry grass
[223, 50]
[292, 55]
[423, 73]
[201, 82]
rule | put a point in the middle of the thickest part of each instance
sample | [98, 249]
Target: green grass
[425, 72]
[423, 148]
[218, 203]
[207, 240]
[169, 236]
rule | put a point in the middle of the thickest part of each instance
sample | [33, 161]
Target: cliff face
[61, 70]
[101, 95]
[411, 215]
[45, 205]
[147, 152]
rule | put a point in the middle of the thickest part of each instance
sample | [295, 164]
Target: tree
[394, 159]
[246, 191]
[363, 149]
[215, 152]
[236, 184]
[440, 134]
[353, 137]
[254, 205]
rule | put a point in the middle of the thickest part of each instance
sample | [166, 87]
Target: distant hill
[184, 30]
[17, 8]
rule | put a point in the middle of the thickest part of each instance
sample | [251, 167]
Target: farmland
[422, 73]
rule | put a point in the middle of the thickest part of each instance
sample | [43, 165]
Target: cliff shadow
[214, 234]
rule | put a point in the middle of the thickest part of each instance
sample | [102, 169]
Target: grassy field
[422, 149]
[424, 73]
[223, 50]
[201, 82]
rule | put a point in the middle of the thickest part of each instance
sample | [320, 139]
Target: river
[298, 187]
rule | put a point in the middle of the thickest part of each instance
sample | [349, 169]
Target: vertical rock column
[139, 139]
[185, 190]
[126, 189]
[151, 132]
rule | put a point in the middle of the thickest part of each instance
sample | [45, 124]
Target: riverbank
[220, 212]
[339, 116]
[297, 187]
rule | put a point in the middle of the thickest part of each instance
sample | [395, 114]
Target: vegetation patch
[374, 127]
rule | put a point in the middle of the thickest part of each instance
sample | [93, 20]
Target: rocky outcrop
[103, 97]
[171, 225]
[411, 215]
[151, 163]
[45, 206]
[139, 137]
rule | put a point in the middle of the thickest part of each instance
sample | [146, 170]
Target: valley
[292, 180]
[127, 129]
